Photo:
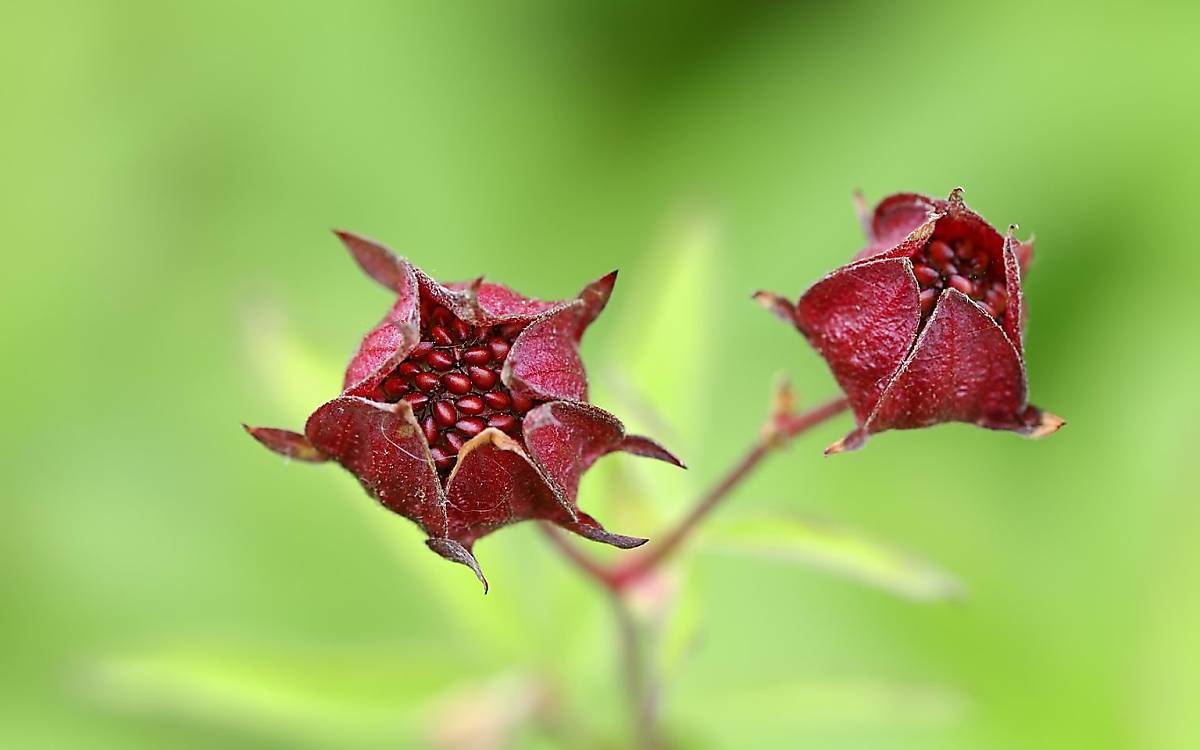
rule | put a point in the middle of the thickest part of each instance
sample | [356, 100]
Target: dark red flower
[466, 409]
[925, 325]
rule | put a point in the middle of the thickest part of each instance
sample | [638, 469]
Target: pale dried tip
[455, 552]
[864, 214]
[838, 447]
[783, 401]
[925, 230]
[472, 289]
[1012, 228]
[1050, 424]
[781, 409]
[783, 309]
[851, 442]
[956, 196]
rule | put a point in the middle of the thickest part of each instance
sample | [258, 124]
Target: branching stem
[639, 685]
[778, 432]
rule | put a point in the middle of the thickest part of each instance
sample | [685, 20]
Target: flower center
[962, 266]
[452, 381]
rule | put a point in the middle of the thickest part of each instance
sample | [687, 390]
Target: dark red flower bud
[465, 409]
[926, 325]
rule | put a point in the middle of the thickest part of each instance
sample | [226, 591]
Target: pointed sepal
[455, 552]
[286, 443]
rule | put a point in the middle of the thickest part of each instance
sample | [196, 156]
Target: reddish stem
[791, 425]
[584, 562]
[779, 431]
[639, 684]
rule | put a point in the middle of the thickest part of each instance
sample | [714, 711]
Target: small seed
[441, 335]
[926, 276]
[457, 383]
[394, 388]
[441, 315]
[965, 249]
[521, 403]
[510, 330]
[420, 350]
[440, 359]
[928, 298]
[470, 404]
[505, 422]
[461, 329]
[471, 426]
[408, 369]
[455, 440]
[996, 299]
[426, 381]
[440, 458]
[962, 284]
[444, 413]
[416, 399]
[477, 356]
[430, 428]
[981, 263]
[498, 400]
[499, 349]
[940, 252]
[482, 378]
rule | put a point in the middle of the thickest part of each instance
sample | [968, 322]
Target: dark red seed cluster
[452, 381]
[960, 265]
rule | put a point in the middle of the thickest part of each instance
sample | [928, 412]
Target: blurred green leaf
[297, 377]
[683, 626]
[673, 293]
[369, 697]
[656, 379]
[313, 697]
[848, 703]
[837, 550]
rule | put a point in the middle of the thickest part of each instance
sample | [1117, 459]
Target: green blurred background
[171, 172]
